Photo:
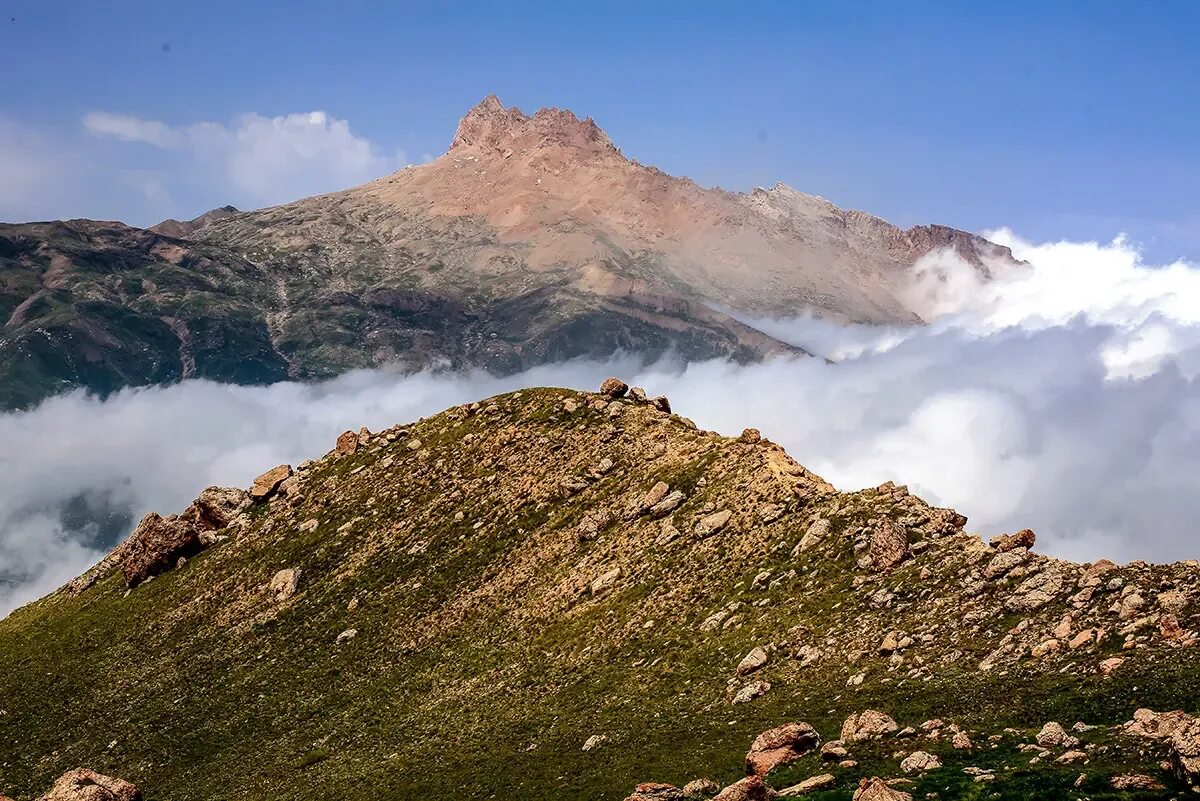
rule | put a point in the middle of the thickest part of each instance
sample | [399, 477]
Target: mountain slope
[450, 609]
[533, 239]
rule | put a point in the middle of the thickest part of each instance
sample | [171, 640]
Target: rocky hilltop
[554, 594]
[532, 239]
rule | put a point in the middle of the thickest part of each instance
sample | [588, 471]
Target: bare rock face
[876, 789]
[1025, 538]
[1185, 751]
[82, 784]
[265, 485]
[155, 545]
[868, 725]
[889, 545]
[751, 788]
[779, 746]
[613, 388]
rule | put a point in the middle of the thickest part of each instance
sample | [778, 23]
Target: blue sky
[1073, 120]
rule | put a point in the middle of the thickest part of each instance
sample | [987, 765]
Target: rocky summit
[533, 239]
[554, 594]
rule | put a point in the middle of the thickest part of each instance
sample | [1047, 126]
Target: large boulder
[1185, 751]
[779, 746]
[82, 784]
[156, 545]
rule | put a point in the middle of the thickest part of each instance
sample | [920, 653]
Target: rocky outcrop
[1025, 538]
[156, 545]
[889, 545]
[87, 785]
[779, 746]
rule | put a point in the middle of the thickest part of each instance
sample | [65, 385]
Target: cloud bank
[1063, 396]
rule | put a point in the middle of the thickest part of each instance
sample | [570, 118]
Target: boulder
[868, 725]
[1185, 751]
[813, 783]
[265, 485]
[711, 524]
[285, 583]
[779, 746]
[750, 436]
[919, 762]
[751, 788]
[156, 545]
[1037, 591]
[833, 751]
[216, 508]
[1157, 725]
[605, 581]
[668, 504]
[614, 388]
[749, 692]
[1052, 734]
[1025, 538]
[1136, 781]
[1004, 561]
[701, 788]
[755, 660]
[347, 444]
[889, 545]
[661, 403]
[82, 784]
[876, 789]
[817, 531]
[656, 791]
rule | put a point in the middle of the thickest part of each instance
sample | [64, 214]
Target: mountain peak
[490, 126]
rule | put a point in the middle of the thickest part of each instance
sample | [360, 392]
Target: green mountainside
[562, 595]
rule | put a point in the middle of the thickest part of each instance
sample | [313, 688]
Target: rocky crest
[553, 594]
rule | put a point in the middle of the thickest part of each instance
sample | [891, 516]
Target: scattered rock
[753, 661]
[961, 741]
[868, 725]
[820, 782]
[668, 504]
[605, 581]
[1185, 751]
[656, 791]
[1112, 663]
[833, 750]
[594, 742]
[285, 583]
[701, 788]
[614, 388]
[1004, 562]
[1054, 734]
[1136, 781]
[711, 524]
[265, 485]
[876, 789]
[749, 692]
[82, 784]
[347, 635]
[920, 761]
[779, 746]
[1071, 756]
[751, 788]
[817, 531]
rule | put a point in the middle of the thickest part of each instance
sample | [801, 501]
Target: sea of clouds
[1061, 396]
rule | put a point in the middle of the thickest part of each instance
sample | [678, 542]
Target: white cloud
[257, 160]
[1078, 417]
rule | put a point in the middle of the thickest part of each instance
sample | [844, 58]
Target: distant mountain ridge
[532, 240]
